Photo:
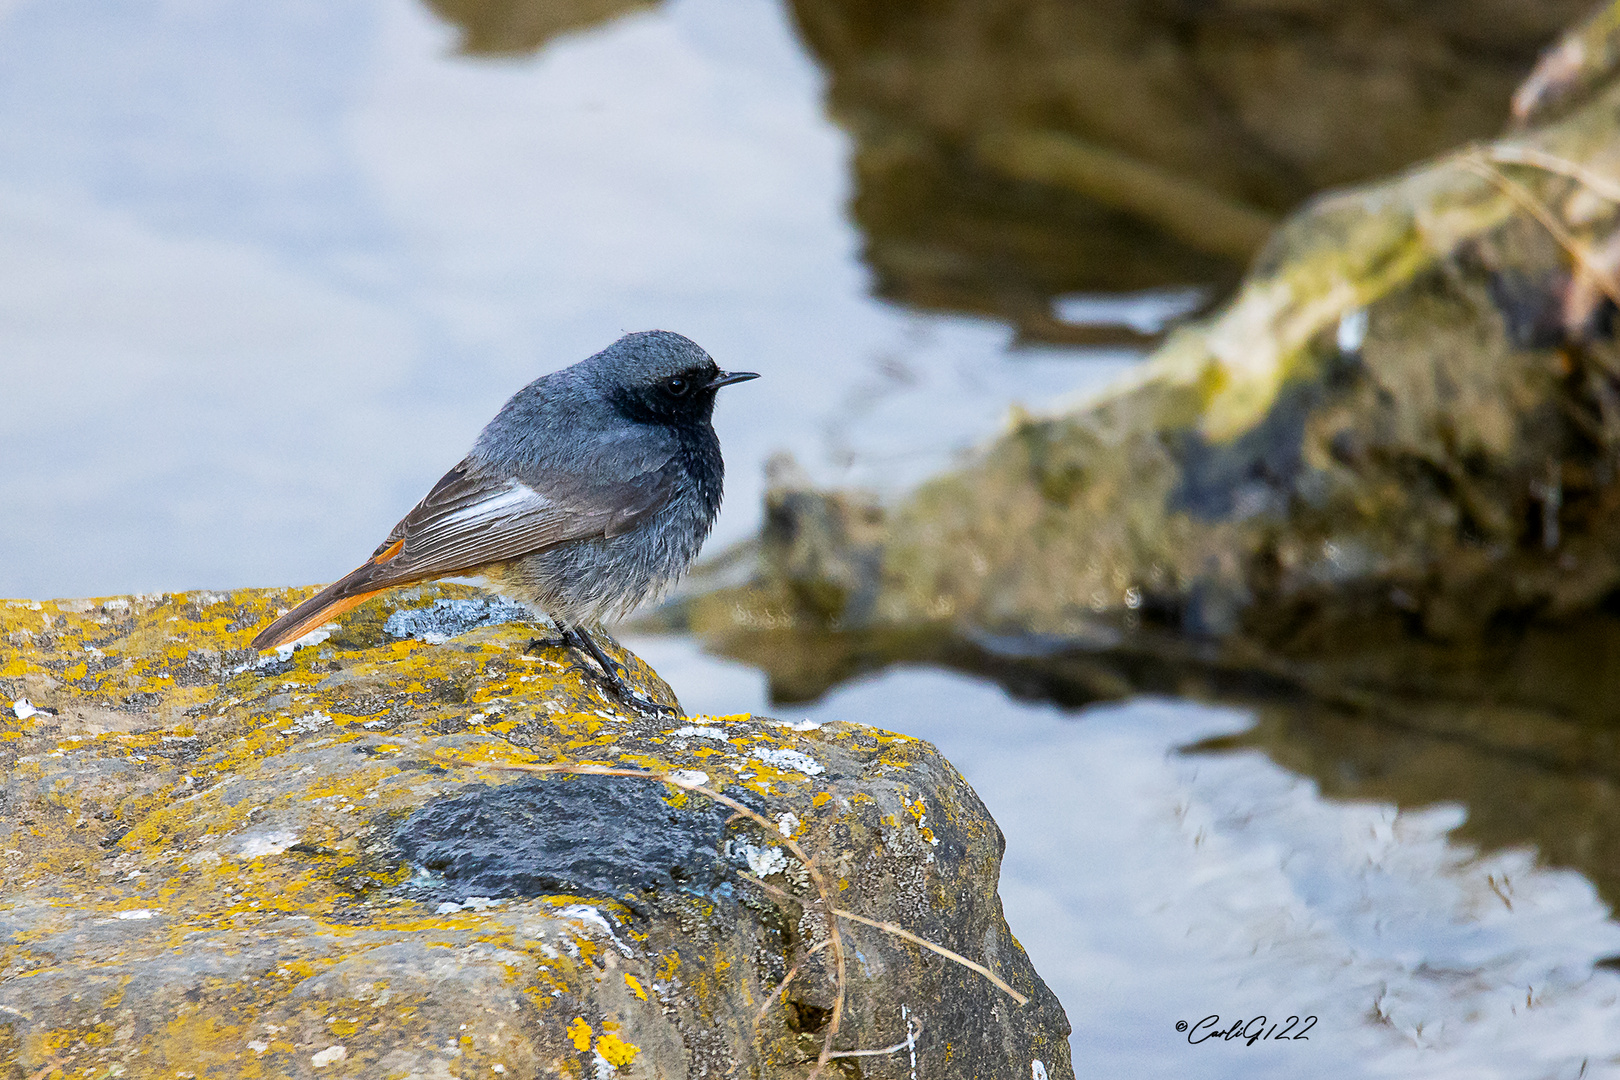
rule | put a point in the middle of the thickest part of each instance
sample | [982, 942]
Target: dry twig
[1596, 182]
[781, 988]
[913, 1029]
[1536, 209]
[889, 927]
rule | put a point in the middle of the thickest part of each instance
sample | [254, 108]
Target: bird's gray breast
[604, 577]
[607, 576]
[566, 443]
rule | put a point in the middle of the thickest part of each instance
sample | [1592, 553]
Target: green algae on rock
[315, 864]
[1406, 420]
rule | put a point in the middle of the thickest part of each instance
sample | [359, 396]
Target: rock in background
[518, 27]
[1404, 424]
[314, 864]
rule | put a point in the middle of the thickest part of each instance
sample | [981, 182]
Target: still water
[266, 269]
[1152, 884]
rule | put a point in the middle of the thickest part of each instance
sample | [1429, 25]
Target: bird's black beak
[726, 378]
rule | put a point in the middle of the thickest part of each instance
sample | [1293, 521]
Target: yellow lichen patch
[728, 718]
[671, 965]
[635, 986]
[580, 1032]
[919, 812]
[198, 1042]
[615, 1051]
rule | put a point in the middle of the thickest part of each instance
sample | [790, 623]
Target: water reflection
[1005, 157]
[1421, 842]
[517, 27]
[1160, 867]
[1519, 729]
[1007, 154]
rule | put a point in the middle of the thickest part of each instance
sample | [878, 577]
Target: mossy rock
[316, 864]
[1404, 424]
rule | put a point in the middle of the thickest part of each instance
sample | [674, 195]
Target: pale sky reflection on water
[265, 270]
[1150, 886]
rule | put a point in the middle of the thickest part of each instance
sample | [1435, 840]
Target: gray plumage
[589, 492]
[666, 478]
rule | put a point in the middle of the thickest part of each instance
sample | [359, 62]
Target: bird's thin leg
[614, 673]
[563, 640]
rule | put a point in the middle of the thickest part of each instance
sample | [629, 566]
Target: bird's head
[659, 377]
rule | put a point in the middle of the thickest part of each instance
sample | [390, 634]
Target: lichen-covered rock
[1407, 419]
[314, 864]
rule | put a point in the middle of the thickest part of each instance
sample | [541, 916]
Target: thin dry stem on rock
[1594, 181]
[913, 1029]
[781, 988]
[890, 928]
[1599, 274]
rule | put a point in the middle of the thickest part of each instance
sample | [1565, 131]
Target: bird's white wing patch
[518, 499]
[472, 520]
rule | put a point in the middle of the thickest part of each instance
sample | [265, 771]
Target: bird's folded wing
[471, 519]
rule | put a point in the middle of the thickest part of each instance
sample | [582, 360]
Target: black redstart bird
[591, 490]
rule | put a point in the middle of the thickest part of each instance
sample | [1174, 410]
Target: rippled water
[1152, 885]
[266, 269]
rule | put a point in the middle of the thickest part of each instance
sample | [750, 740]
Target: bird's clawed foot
[646, 706]
[612, 673]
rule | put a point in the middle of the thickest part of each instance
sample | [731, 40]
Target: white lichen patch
[592, 917]
[330, 1056]
[259, 845]
[700, 731]
[689, 777]
[782, 757]
[310, 722]
[472, 903]
[284, 652]
[762, 861]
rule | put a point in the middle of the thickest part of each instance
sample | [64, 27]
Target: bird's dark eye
[677, 385]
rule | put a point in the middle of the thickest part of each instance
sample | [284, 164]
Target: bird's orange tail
[350, 592]
[318, 610]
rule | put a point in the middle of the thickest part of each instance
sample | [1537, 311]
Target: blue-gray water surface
[1153, 887]
[265, 269]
